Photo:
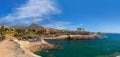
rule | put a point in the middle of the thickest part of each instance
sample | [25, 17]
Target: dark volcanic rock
[31, 38]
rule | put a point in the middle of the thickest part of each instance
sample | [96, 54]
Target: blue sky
[93, 15]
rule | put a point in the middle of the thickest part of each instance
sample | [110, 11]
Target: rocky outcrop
[30, 38]
[9, 48]
[75, 37]
[34, 43]
[36, 46]
[23, 47]
[18, 48]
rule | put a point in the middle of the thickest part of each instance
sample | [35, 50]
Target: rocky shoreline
[18, 48]
[38, 46]
[19, 41]
[27, 46]
[74, 37]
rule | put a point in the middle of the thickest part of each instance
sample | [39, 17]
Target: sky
[93, 15]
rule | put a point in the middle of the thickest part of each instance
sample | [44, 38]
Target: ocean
[105, 47]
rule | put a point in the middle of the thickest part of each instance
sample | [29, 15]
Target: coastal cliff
[36, 46]
[12, 47]
[9, 48]
[74, 37]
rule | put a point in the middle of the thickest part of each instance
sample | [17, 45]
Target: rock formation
[74, 37]
[36, 46]
[10, 48]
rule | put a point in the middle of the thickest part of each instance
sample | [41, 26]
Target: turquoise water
[85, 48]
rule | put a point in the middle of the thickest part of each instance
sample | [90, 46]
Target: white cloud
[33, 11]
[57, 25]
[63, 25]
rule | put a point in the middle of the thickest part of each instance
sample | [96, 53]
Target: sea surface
[106, 47]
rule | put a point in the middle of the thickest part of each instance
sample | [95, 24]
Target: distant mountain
[35, 26]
